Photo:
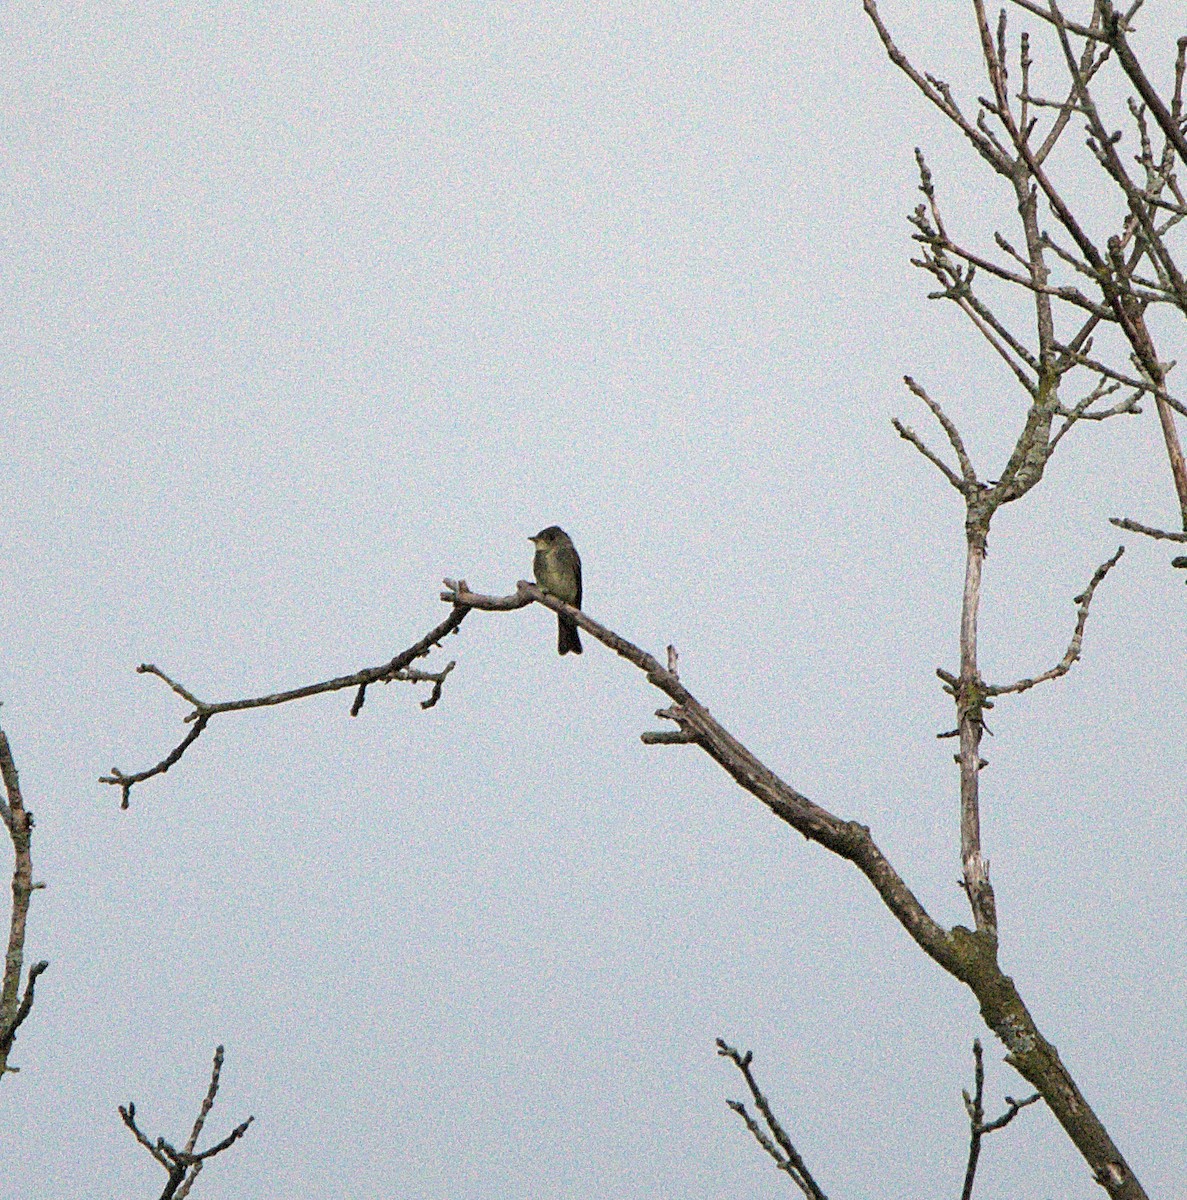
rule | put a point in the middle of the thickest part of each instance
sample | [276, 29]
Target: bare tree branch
[956, 283]
[978, 1126]
[1058, 291]
[397, 670]
[185, 1165]
[785, 1155]
[8, 1032]
[1083, 411]
[1113, 32]
[1125, 294]
[1130, 312]
[1083, 600]
[1103, 145]
[15, 1007]
[909, 435]
[966, 482]
[1135, 527]
[1039, 11]
[938, 92]
[967, 471]
[1141, 386]
[970, 956]
[847, 838]
[128, 1115]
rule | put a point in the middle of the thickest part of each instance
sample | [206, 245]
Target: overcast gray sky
[305, 307]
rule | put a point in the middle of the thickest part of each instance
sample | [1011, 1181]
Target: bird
[557, 568]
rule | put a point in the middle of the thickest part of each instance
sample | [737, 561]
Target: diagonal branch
[1045, 13]
[939, 94]
[968, 473]
[1143, 386]
[397, 670]
[1149, 531]
[786, 1157]
[957, 282]
[128, 1116]
[1090, 63]
[208, 1102]
[970, 957]
[1007, 347]
[1083, 410]
[1070, 295]
[966, 482]
[849, 839]
[1083, 600]
[909, 435]
[1114, 34]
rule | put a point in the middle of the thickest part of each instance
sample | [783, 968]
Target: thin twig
[396, 670]
[1083, 410]
[1147, 530]
[785, 1155]
[939, 93]
[184, 1165]
[978, 1126]
[1083, 600]
[128, 1115]
[909, 435]
[1039, 11]
[1143, 386]
[968, 472]
[208, 1102]
[1058, 291]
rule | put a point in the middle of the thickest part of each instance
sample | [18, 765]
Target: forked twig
[398, 669]
[185, 1165]
[786, 1157]
[978, 1126]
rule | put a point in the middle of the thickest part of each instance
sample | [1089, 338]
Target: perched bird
[558, 572]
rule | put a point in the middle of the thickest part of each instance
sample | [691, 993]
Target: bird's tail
[567, 638]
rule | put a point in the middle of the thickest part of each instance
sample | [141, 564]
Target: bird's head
[552, 536]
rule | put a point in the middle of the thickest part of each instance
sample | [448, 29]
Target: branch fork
[398, 669]
[185, 1165]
